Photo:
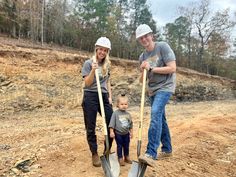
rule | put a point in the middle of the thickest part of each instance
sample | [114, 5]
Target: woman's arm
[88, 80]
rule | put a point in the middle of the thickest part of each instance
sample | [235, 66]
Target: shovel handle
[101, 102]
[141, 112]
[139, 147]
[102, 109]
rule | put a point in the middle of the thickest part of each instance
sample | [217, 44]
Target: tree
[177, 35]
[207, 24]
[42, 17]
[93, 19]
[117, 27]
[234, 48]
[216, 48]
[140, 14]
[9, 15]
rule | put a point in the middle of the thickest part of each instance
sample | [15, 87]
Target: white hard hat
[142, 30]
[103, 42]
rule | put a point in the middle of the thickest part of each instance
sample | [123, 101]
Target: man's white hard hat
[142, 30]
[103, 42]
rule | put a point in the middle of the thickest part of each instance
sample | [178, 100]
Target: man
[159, 61]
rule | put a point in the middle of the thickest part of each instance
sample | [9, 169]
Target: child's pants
[122, 142]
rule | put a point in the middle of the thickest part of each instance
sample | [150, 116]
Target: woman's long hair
[106, 64]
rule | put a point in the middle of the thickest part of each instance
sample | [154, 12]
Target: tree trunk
[42, 22]
[200, 56]
[189, 50]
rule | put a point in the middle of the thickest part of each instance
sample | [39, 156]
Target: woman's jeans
[91, 107]
[158, 129]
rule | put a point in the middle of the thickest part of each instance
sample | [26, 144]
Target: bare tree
[206, 24]
[42, 22]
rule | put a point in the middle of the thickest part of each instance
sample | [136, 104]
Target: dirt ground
[53, 143]
[42, 131]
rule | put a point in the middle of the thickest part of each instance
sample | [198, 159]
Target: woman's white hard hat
[142, 30]
[103, 42]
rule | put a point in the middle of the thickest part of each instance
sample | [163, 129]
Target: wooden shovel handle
[142, 105]
[101, 101]
[140, 128]
[102, 112]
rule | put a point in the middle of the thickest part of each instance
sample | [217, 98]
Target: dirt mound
[41, 77]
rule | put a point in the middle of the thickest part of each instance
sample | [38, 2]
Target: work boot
[163, 155]
[127, 160]
[121, 162]
[96, 160]
[147, 159]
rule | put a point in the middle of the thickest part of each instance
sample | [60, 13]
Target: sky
[165, 11]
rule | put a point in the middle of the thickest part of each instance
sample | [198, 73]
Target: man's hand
[144, 65]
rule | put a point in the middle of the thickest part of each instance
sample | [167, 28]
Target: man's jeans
[158, 129]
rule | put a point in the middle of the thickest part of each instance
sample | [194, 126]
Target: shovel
[110, 163]
[138, 169]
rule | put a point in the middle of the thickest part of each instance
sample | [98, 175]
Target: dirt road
[52, 143]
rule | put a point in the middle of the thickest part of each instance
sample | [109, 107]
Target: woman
[90, 104]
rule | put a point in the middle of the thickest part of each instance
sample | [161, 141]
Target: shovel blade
[110, 165]
[115, 166]
[137, 169]
[139, 147]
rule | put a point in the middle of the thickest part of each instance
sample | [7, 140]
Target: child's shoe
[121, 162]
[127, 160]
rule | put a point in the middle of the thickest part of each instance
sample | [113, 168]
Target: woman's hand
[94, 66]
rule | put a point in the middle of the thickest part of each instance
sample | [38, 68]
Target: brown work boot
[147, 159]
[164, 155]
[127, 160]
[121, 162]
[96, 160]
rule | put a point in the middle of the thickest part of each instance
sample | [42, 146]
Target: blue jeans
[158, 129]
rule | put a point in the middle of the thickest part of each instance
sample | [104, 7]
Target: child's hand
[112, 134]
[110, 100]
[131, 134]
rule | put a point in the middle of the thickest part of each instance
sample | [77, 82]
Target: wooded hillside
[200, 38]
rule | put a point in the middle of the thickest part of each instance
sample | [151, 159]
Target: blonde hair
[106, 63]
[120, 97]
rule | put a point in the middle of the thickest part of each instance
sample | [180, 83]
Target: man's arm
[168, 69]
